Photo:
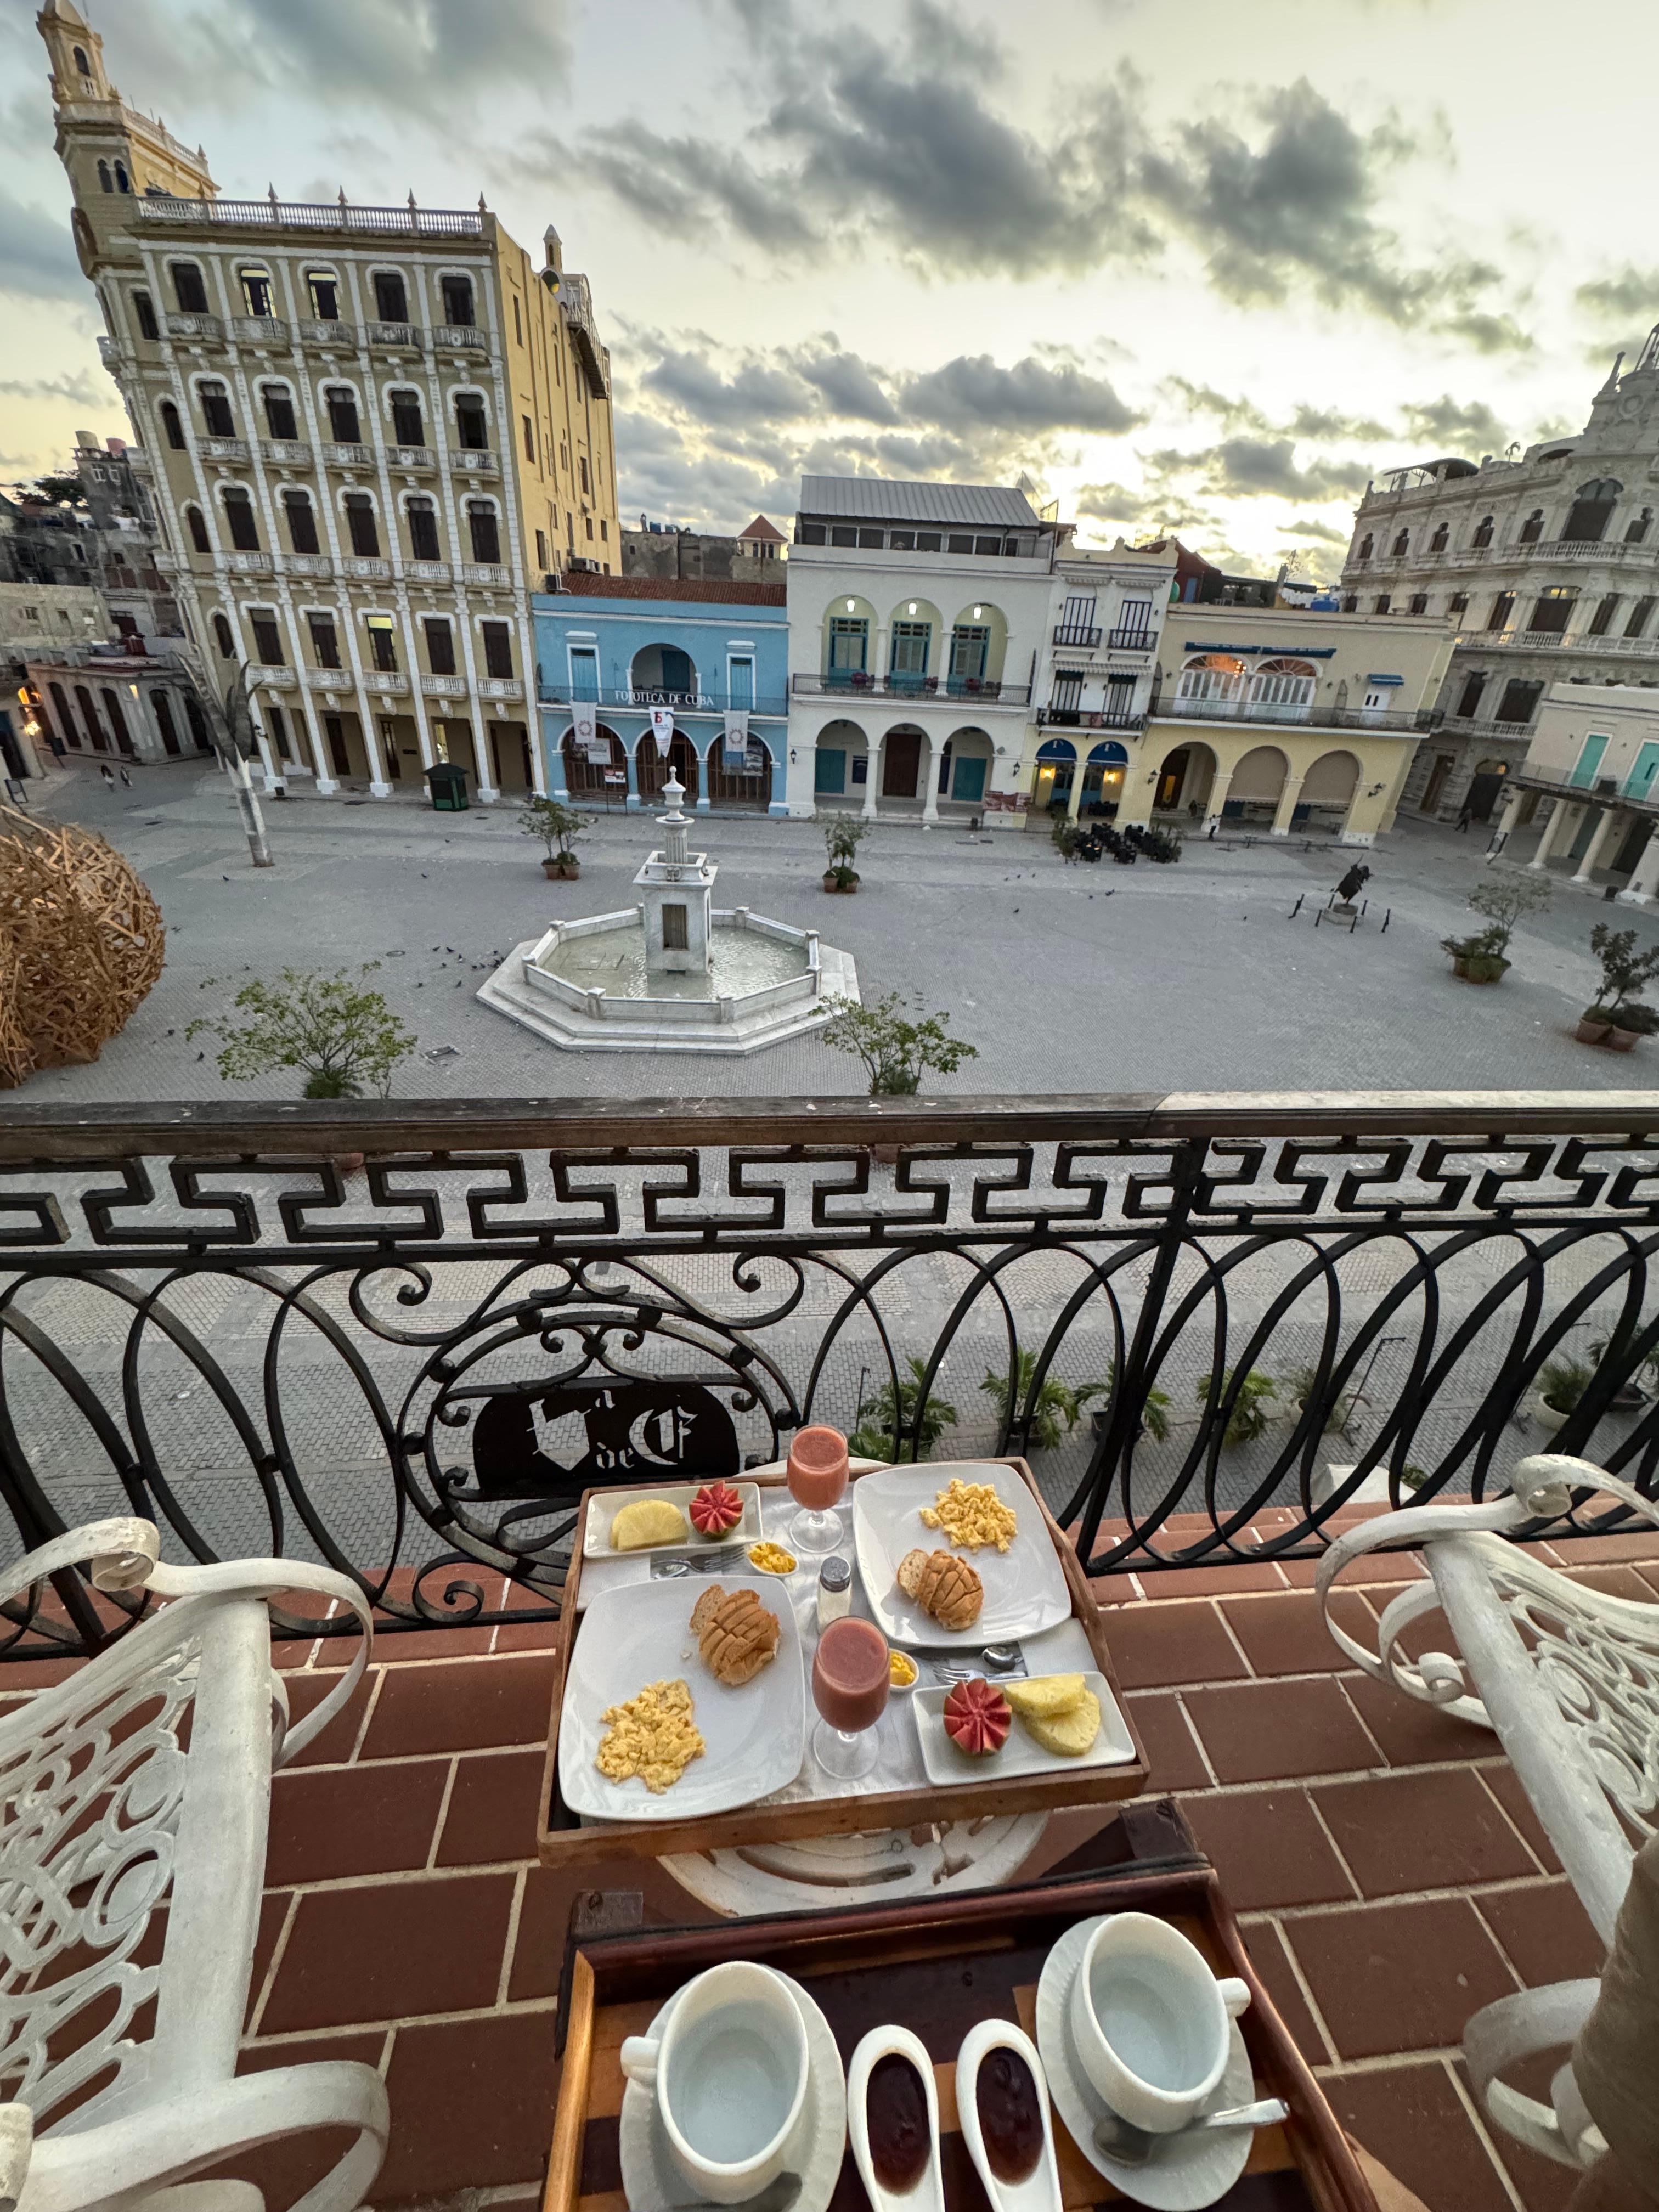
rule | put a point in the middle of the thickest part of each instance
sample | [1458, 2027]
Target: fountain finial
[675, 823]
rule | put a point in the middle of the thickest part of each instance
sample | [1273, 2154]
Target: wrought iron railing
[208, 1318]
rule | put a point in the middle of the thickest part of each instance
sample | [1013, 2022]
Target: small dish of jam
[892, 2119]
[1002, 2105]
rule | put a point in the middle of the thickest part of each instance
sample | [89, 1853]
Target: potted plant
[1482, 957]
[1154, 1420]
[842, 833]
[1053, 1416]
[558, 827]
[1249, 1415]
[1631, 1022]
[896, 1051]
[1624, 973]
[1303, 1383]
[892, 1412]
[1560, 1385]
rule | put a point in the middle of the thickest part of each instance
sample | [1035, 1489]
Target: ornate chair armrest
[1520, 2027]
[123, 1554]
[16, 2146]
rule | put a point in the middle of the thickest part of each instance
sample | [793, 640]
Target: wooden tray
[563, 1841]
[938, 1967]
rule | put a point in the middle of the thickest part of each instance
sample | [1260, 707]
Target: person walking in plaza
[126, 778]
[104, 770]
[1465, 816]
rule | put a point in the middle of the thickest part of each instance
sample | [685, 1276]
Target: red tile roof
[588, 586]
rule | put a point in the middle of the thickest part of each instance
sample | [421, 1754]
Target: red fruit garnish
[716, 1508]
[977, 1718]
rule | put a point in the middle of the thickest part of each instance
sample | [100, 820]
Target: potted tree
[1154, 1420]
[1482, 957]
[842, 833]
[1303, 1383]
[1560, 1385]
[1249, 1415]
[1615, 1016]
[896, 1052]
[1057, 1409]
[892, 1412]
[558, 827]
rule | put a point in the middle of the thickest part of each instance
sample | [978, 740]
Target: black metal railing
[1087, 718]
[1077, 634]
[641, 698]
[1194, 1306]
[1131, 640]
[858, 682]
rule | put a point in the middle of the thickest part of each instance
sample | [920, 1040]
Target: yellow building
[1278, 719]
[370, 433]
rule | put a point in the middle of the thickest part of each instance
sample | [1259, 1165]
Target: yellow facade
[370, 433]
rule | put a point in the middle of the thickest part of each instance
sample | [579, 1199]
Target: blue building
[623, 645]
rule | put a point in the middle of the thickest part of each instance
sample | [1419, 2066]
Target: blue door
[1589, 761]
[1638, 784]
[830, 772]
[968, 782]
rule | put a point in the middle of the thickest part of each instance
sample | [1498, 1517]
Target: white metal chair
[1569, 1680]
[143, 1783]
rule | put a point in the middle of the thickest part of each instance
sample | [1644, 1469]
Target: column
[930, 760]
[630, 746]
[1218, 799]
[1139, 788]
[1644, 876]
[266, 761]
[550, 742]
[872, 776]
[1500, 835]
[378, 788]
[325, 783]
[478, 724]
[705, 758]
[1559, 830]
[777, 799]
[1074, 797]
[1598, 844]
[1287, 805]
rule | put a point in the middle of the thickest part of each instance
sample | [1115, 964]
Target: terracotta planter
[1590, 1032]
[562, 870]
[1623, 1040]
[1479, 966]
[831, 884]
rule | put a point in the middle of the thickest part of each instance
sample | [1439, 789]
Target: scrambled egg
[772, 1558]
[653, 1735]
[972, 1515]
[901, 1669]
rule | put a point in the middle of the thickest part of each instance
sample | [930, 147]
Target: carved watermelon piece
[977, 1718]
[715, 1508]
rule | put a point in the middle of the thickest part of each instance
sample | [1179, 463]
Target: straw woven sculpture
[80, 944]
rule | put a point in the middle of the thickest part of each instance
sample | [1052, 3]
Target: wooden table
[939, 1967]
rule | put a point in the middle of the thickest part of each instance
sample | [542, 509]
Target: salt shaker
[834, 1591]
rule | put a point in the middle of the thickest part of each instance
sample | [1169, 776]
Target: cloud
[36, 257]
[848, 385]
[1628, 296]
[1320, 532]
[1162, 508]
[754, 393]
[81, 390]
[1448, 422]
[973, 390]
[1249, 467]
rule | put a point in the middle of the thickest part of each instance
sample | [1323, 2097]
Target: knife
[777, 2197]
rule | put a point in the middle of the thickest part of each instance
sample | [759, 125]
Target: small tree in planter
[896, 1052]
[893, 1411]
[1615, 1015]
[843, 834]
[1058, 1407]
[1481, 957]
[1249, 1414]
[1560, 1385]
[558, 827]
[343, 1038]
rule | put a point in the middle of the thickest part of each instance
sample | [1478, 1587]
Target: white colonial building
[1591, 779]
[1095, 676]
[920, 615]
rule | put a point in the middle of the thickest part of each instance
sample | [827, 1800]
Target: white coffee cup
[1149, 2021]
[730, 2074]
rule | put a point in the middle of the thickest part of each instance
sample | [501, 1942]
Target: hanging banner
[662, 727]
[736, 748]
[583, 723]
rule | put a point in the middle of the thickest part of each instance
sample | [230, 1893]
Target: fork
[994, 1659]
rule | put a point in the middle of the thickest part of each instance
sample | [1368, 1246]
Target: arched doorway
[902, 749]
[1486, 788]
[651, 770]
[1103, 779]
[746, 786]
[1184, 778]
[841, 767]
[1211, 683]
[1257, 782]
[663, 676]
[1281, 690]
[965, 772]
[1327, 789]
[601, 781]
[1056, 765]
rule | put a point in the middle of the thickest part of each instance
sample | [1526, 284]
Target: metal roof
[882, 499]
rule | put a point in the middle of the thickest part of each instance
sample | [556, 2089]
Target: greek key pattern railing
[1209, 1321]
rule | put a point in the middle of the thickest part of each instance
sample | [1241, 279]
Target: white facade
[1594, 764]
[1094, 673]
[918, 615]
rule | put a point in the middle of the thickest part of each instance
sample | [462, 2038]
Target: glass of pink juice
[818, 1482]
[851, 1678]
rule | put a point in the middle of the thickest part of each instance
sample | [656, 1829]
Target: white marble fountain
[674, 973]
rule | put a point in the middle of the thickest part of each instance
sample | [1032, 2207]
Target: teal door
[1589, 761]
[1639, 782]
[830, 771]
[968, 782]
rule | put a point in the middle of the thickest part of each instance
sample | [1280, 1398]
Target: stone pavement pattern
[1390, 1876]
[1065, 979]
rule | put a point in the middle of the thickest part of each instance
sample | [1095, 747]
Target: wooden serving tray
[563, 1841]
[939, 1967]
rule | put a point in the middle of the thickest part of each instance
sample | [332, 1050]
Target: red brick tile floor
[1387, 1873]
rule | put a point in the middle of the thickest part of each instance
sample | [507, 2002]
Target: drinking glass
[851, 1679]
[818, 1482]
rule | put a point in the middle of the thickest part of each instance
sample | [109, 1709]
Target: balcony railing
[203, 1321]
[1077, 635]
[411, 457]
[312, 330]
[858, 682]
[337, 456]
[474, 461]
[272, 214]
[639, 699]
[459, 337]
[285, 452]
[1087, 718]
[394, 338]
[222, 449]
[1306, 714]
[1554, 641]
[209, 327]
[1132, 641]
[261, 330]
[1645, 802]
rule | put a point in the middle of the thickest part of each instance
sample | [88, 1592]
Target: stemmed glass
[851, 1678]
[818, 1481]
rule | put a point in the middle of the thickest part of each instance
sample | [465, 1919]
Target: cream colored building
[369, 433]
[1282, 720]
[1591, 776]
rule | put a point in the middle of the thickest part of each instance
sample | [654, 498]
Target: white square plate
[1025, 1587]
[755, 1736]
[1022, 1753]
[603, 1511]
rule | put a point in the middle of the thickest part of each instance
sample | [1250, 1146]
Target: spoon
[926, 2192]
[1039, 2190]
[1129, 2145]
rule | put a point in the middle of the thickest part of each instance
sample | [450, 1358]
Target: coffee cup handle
[1234, 1993]
[639, 2056]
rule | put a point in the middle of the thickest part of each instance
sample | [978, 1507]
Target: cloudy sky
[1209, 266]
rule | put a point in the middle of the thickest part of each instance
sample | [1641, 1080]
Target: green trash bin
[448, 786]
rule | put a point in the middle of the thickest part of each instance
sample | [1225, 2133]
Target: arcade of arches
[634, 772]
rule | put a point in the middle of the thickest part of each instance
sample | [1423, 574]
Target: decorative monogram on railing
[1209, 1323]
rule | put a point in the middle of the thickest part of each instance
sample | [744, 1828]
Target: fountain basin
[583, 985]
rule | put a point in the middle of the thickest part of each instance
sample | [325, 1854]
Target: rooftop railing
[273, 214]
[411, 1371]
[858, 682]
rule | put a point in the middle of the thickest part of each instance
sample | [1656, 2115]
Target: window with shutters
[1640, 615]
[382, 646]
[423, 529]
[1482, 532]
[279, 731]
[359, 522]
[1438, 543]
[1469, 697]
[104, 184]
[457, 301]
[1417, 604]
[1067, 697]
[172, 429]
[122, 182]
[1502, 607]
[301, 518]
[909, 643]
[1382, 603]
[407, 425]
[440, 645]
[541, 549]
[517, 322]
[586, 486]
[1402, 544]
[1553, 609]
[485, 532]
[529, 438]
[325, 639]
[256, 293]
[1519, 699]
[188, 290]
[848, 644]
[267, 635]
[1591, 511]
[324, 290]
[391, 297]
[279, 413]
[342, 403]
[144, 315]
[1351, 603]
[1636, 530]
[239, 512]
[1458, 603]
[197, 525]
[1533, 528]
[1362, 550]
[226, 642]
[215, 410]
[1601, 621]
[498, 647]
[472, 426]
